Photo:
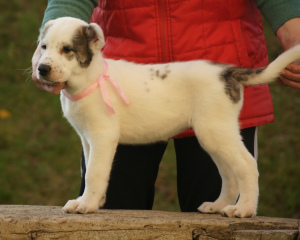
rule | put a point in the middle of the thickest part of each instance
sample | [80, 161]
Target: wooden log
[48, 222]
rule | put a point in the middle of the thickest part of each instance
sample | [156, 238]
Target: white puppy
[165, 99]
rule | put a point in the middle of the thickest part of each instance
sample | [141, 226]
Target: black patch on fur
[80, 40]
[233, 89]
[232, 85]
[241, 74]
[162, 76]
[157, 73]
[260, 70]
[166, 73]
[232, 76]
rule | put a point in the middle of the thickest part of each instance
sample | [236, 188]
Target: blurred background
[40, 152]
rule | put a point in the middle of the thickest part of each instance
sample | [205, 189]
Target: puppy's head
[68, 48]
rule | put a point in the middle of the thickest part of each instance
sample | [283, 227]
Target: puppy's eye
[66, 49]
[44, 47]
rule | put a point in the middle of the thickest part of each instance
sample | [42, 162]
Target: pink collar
[101, 83]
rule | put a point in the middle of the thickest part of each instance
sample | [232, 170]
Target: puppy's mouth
[51, 83]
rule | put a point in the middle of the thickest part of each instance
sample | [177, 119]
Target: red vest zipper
[163, 26]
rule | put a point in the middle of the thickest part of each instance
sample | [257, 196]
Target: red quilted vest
[157, 31]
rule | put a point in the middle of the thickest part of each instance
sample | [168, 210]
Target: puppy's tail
[263, 75]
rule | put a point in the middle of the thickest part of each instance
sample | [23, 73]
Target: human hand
[54, 89]
[289, 36]
[290, 76]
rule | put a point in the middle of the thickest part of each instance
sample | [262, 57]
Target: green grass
[40, 153]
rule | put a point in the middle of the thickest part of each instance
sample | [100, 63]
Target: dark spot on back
[241, 74]
[233, 89]
[157, 73]
[233, 75]
[163, 76]
[236, 73]
[232, 86]
[166, 73]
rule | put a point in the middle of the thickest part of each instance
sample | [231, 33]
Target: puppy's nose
[44, 69]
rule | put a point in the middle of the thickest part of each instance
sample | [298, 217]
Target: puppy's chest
[74, 113]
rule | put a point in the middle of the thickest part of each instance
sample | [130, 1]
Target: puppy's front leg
[102, 151]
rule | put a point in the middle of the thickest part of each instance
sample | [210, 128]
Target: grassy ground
[40, 153]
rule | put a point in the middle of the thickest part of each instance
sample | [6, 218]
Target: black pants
[135, 168]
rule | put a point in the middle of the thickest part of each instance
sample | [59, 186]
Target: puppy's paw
[211, 207]
[235, 211]
[70, 206]
[80, 206]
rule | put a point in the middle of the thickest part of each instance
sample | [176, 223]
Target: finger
[294, 67]
[290, 75]
[292, 72]
[288, 82]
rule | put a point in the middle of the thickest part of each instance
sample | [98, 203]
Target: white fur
[165, 100]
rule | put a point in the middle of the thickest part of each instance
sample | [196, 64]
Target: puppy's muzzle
[44, 70]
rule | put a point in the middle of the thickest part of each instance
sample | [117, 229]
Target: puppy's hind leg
[229, 192]
[223, 142]
[247, 175]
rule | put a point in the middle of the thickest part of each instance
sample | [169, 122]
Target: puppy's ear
[44, 30]
[87, 40]
[94, 35]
